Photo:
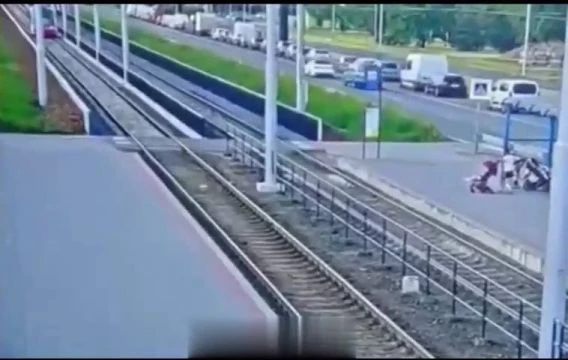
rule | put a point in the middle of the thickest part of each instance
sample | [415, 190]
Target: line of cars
[319, 62]
[427, 73]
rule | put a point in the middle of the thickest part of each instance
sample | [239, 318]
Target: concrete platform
[430, 178]
[98, 259]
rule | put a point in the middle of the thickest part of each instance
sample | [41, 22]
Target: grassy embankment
[17, 112]
[338, 110]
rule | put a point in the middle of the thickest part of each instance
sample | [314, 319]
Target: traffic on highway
[457, 117]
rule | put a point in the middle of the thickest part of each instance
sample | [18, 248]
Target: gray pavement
[97, 259]
[456, 118]
[436, 172]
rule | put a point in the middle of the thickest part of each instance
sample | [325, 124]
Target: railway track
[334, 315]
[501, 293]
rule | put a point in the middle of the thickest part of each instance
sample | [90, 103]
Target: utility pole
[271, 90]
[125, 42]
[40, 56]
[381, 24]
[332, 17]
[97, 24]
[300, 63]
[77, 25]
[554, 288]
[64, 19]
[527, 36]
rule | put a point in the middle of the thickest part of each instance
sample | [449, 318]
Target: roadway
[98, 259]
[456, 118]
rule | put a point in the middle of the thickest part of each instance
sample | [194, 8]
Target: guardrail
[415, 254]
[304, 124]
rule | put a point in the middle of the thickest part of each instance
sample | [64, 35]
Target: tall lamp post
[527, 36]
[300, 63]
[40, 56]
[271, 88]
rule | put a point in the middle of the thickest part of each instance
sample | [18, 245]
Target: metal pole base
[264, 187]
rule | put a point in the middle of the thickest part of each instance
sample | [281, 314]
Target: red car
[51, 32]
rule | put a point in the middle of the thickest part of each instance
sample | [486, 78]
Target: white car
[290, 51]
[512, 90]
[236, 39]
[281, 47]
[218, 34]
[319, 67]
[314, 53]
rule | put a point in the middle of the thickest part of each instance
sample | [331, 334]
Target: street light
[40, 56]
[527, 35]
[554, 288]
[97, 24]
[77, 25]
[125, 42]
[271, 89]
[300, 63]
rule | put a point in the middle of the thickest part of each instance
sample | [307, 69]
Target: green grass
[338, 110]
[17, 112]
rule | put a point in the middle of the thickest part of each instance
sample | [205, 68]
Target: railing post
[318, 199]
[384, 242]
[331, 206]
[404, 241]
[365, 230]
[520, 330]
[454, 286]
[484, 310]
[347, 217]
[304, 189]
[428, 256]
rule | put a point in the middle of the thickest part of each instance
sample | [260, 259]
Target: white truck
[419, 67]
[246, 32]
[204, 23]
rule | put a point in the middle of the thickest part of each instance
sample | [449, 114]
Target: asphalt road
[456, 118]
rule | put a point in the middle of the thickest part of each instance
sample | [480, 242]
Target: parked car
[512, 89]
[451, 85]
[319, 68]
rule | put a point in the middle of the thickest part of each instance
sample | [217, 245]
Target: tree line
[465, 27]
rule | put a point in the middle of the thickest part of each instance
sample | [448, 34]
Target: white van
[419, 67]
[515, 89]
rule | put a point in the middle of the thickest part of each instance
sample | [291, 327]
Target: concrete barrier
[303, 124]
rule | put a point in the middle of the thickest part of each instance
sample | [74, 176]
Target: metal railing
[391, 239]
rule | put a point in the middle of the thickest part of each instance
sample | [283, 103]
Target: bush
[338, 110]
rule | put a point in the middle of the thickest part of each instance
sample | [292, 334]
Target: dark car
[450, 85]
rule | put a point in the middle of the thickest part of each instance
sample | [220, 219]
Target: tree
[468, 35]
[500, 33]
